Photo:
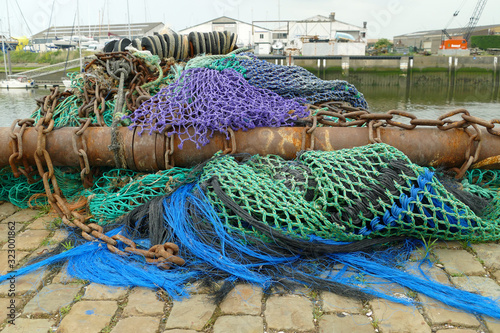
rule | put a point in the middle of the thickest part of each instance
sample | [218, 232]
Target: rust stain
[492, 162]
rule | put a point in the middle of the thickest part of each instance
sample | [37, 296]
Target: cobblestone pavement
[50, 301]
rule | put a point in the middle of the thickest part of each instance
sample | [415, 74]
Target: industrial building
[430, 40]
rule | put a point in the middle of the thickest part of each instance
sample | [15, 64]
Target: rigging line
[50, 21]
[69, 48]
[27, 25]
[455, 14]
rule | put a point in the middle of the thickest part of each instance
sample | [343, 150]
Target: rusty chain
[161, 255]
[229, 149]
[348, 116]
[17, 150]
[81, 151]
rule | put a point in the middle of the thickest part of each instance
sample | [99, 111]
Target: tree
[382, 43]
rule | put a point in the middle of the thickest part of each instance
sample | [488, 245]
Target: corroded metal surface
[424, 146]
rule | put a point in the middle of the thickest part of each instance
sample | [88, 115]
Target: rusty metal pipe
[424, 146]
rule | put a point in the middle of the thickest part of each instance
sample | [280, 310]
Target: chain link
[162, 255]
[17, 155]
[348, 116]
[232, 139]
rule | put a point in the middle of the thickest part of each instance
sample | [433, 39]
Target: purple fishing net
[207, 101]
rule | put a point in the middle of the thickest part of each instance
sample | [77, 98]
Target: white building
[244, 30]
[317, 35]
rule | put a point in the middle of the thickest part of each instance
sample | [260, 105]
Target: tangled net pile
[258, 219]
[209, 101]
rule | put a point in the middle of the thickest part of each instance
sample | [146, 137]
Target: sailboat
[13, 81]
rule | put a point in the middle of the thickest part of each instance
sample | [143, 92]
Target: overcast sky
[386, 18]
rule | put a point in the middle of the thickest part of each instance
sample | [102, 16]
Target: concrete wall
[333, 48]
[349, 49]
[318, 49]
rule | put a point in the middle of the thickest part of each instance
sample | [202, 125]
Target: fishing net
[291, 82]
[119, 191]
[23, 194]
[66, 112]
[204, 101]
[346, 195]
[259, 219]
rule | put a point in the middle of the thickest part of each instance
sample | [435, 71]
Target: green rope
[119, 191]
[301, 197]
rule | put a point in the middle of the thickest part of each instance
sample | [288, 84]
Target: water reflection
[431, 101]
[18, 103]
[427, 96]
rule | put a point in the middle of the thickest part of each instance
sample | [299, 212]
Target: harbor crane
[463, 43]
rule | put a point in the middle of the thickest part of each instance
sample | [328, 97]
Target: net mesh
[346, 195]
[203, 101]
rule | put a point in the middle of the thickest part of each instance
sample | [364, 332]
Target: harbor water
[425, 101]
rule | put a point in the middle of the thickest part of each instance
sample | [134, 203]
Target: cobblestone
[239, 324]
[137, 324]
[289, 313]
[42, 222]
[29, 239]
[51, 298]
[24, 215]
[440, 313]
[23, 325]
[64, 278]
[456, 330]
[243, 299]
[88, 317]
[242, 310]
[477, 284]
[340, 323]
[489, 254]
[496, 275]
[336, 303]
[397, 318]
[59, 236]
[192, 313]
[459, 262]
[4, 230]
[26, 283]
[4, 260]
[493, 325]
[4, 306]
[6, 209]
[102, 292]
[143, 302]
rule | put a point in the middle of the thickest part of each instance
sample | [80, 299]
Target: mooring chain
[80, 148]
[337, 114]
[169, 148]
[230, 148]
[162, 255]
[17, 149]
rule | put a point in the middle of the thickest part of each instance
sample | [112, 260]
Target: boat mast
[8, 71]
[79, 35]
[5, 57]
[128, 14]
[8, 17]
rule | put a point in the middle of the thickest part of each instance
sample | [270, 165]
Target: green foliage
[382, 43]
[485, 42]
[50, 57]
[68, 245]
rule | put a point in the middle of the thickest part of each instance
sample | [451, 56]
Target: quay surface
[50, 301]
